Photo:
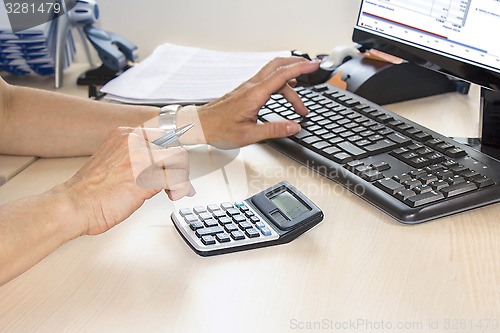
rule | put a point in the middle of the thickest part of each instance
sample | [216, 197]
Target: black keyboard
[405, 169]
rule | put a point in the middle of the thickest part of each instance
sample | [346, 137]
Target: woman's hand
[231, 121]
[126, 171]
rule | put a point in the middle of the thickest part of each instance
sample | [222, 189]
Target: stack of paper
[179, 74]
[31, 49]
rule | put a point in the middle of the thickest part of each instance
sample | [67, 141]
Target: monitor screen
[457, 37]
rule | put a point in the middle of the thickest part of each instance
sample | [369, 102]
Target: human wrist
[192, 114]
[64, 205]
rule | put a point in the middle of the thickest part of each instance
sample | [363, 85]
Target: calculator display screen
[289, 205]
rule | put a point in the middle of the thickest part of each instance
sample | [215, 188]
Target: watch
[167, 117]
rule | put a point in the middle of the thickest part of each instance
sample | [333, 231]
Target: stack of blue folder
[32, 50]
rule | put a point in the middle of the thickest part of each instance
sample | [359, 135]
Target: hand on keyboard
[231, 121]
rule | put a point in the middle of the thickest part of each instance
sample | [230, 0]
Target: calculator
[274, 216]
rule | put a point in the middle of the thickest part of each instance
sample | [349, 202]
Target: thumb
[277, 129]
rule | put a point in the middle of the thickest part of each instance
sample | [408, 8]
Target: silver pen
[172, 135]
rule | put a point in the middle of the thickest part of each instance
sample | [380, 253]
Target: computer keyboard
[407, 170]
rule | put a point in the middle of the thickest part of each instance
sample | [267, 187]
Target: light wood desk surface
[357, 268]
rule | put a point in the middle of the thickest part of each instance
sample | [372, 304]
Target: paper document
[180, 74]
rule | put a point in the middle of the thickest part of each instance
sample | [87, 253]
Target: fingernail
[293, 129]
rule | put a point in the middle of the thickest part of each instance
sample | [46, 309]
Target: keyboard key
[311, 139]
[352, 150]
[321, 144]
[438, 185]
[419, 162]
[351, 166]
[331, 150]
[455, 180]
[422, 189]
[483, 182]
[422, 136]
[389, 186]
[273, 117]
[380, 147]
[457, 189]
[410, 184]
[402, 178]
[400, 139]
[424, 198]
[405, 194]
[372, 175]
[302, 134]
[427, 179]
[342, 158]
[380, 166]
[456, 152]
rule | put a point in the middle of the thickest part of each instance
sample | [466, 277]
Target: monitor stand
[489, 142]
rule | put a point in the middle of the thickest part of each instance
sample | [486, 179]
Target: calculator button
[237, 235]
[227, 205]
[190, 219]
[212, 208]
[244, 208]
[218, 214]
[254, 219]
[208, 240]
[249, 213]
[245, 225]
[252, 232]
[205, 216]
[239, 218]
[199, 209]
[208, 231]
[260, 225]
[239, 204]
[232, 211]
[196, 225]
[210, 222]
[265, 231]
[222, 238]
[184, 211]
[230, 227]
[225, 220]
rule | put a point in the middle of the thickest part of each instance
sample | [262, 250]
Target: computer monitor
[456, 37]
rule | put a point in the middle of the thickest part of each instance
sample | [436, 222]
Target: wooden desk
[358, 270]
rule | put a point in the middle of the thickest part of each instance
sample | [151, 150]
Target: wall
[314, 26]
